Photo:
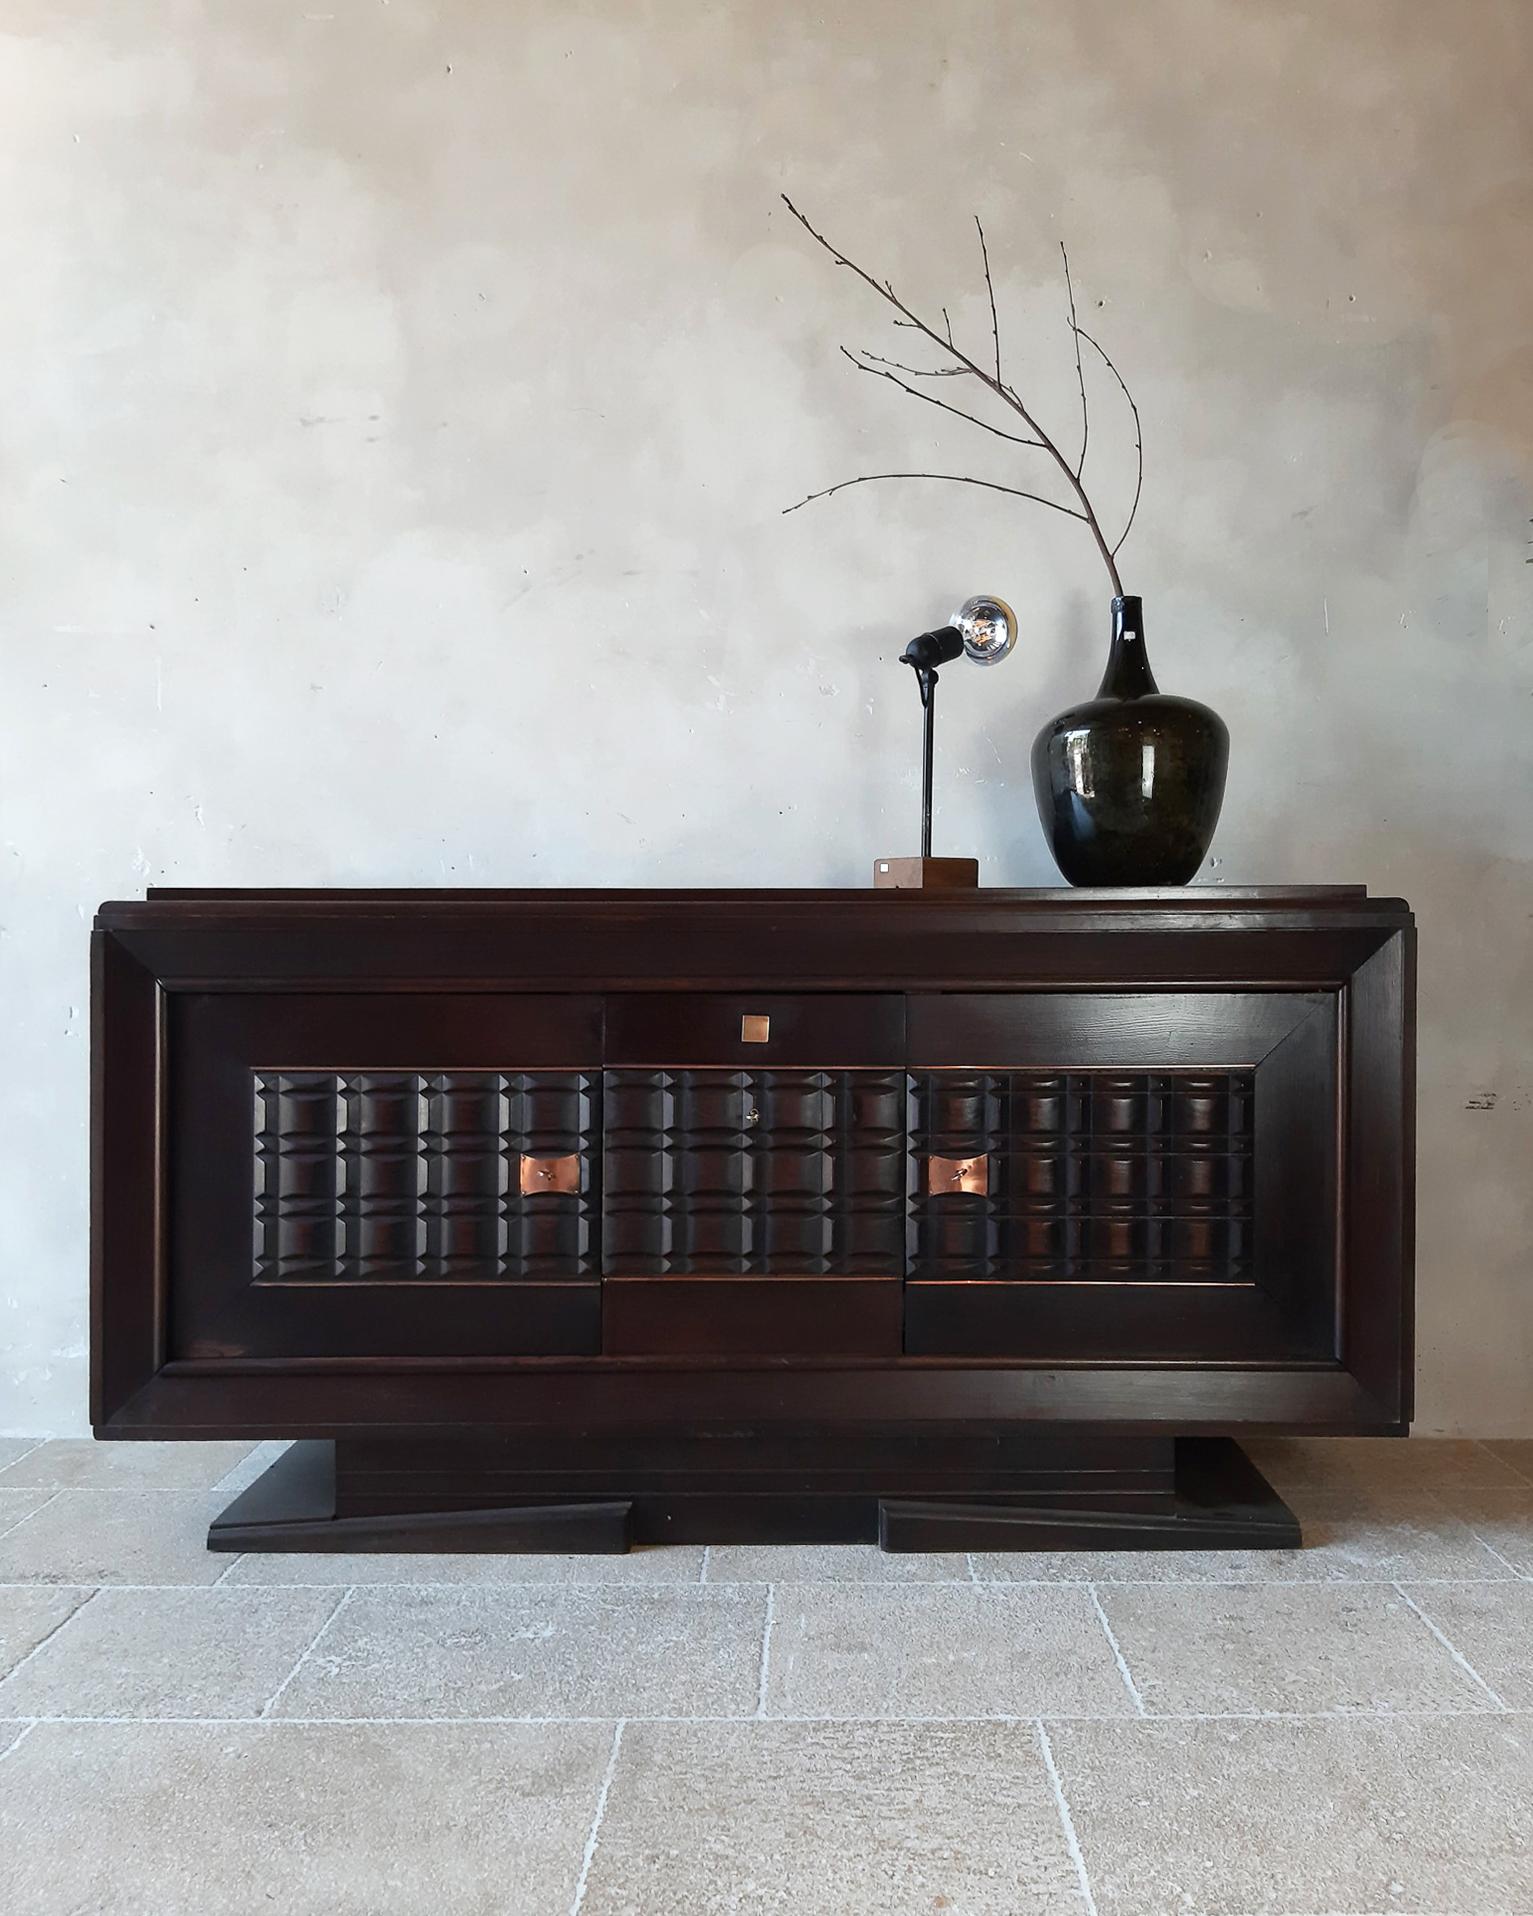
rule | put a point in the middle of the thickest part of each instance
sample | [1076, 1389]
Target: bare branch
[1138, 434]
[1075, 332]
[949, 478]
[948, 324]
[995, 325]
[915, 323]
[932, 400]
[995, 383]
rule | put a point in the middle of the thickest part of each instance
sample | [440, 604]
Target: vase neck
[1128, 674]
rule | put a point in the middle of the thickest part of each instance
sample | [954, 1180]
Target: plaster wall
[399, 401]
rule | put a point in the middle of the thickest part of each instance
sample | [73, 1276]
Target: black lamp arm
[924, 655]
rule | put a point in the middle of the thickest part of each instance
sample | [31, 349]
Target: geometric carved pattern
[764, 1173]
[1093, 1176]
[373, 1177]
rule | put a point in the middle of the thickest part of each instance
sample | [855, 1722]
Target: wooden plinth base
[1215, 1499]
[925, 874]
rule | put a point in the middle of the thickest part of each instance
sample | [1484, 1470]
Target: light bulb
[988, 627]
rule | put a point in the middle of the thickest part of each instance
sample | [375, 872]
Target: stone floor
[1348, 1728]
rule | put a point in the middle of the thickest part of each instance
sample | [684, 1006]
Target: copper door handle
[541, 1176]
[947, 1175]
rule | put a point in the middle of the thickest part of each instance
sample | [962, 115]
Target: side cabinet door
[383, 1174]
[1146, 1176]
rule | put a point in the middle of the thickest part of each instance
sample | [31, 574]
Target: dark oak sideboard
[568, 1220]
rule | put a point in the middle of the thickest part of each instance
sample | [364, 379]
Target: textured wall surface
[400, 399]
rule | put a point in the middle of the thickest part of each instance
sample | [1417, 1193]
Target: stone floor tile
[1347, 1537]
[1394, 1537]
[170, 1653]
[1490, 1626]
[17, 1504]
[1503, 1521]
[80, 1463]
[1223, 1819]
[113, 1536]
[29, 1613]
[942, 1650]
[1516, 1451]
[672, 1564]
[517, 1651]
[1198, 1649]
[838, 1819]
[832, 1563]
[1398, 1463]
[12, 1449]
[354, 1820]
[257, 1460]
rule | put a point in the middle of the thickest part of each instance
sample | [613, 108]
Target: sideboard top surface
[1084, 908]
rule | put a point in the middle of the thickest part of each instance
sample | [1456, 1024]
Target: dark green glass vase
[1129, 785]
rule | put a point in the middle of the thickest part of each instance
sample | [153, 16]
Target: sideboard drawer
[752, 1317]
[825, 1029]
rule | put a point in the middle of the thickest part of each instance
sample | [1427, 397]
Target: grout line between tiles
[42, 1642]
[1505, 1462]
[36, 1444]
[1452, 1648]
[678, 1585]
[242, 1464]
[1152, 1717]
[1522, 1576]
[1122, 1661]
[974, 1578]
[593, 1837]
[219, 1581]
[276, 1696]
[1491, 1550]
[7, 1528]
[766, 1650]
[17, 1741]
[702, 1568]
[1066, 1820]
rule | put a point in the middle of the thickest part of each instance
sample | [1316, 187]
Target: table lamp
[983, 629]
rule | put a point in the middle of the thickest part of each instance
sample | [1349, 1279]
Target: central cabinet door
[753, 1182]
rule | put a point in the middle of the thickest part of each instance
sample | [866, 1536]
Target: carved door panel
[377, 1174]
[754, 1174]
[1123, 1175]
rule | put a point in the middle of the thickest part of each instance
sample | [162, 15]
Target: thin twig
[931, 399]
[950, 478]
[918, 372]
[995, 324]
[1138, 434]
[906, 317]
[1075, 331]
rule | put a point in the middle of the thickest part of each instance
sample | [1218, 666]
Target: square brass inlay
[958, 1174]
[542, 1175]
[755, 1028]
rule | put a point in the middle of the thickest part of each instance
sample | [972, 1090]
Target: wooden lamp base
[925, 874]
